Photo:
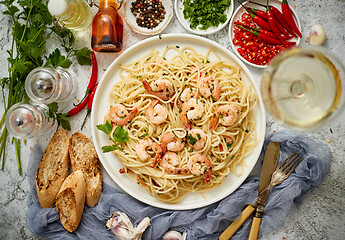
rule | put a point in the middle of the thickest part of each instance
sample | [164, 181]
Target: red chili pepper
[89, 104]
[78, 108]
[279, 17]
[266, 38]
[289, 18]
[258, 20]
[263, 31]
[273, 25]
[258, 12]
[282, 29]
[94, 76]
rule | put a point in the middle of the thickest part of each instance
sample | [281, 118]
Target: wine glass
[303, 87]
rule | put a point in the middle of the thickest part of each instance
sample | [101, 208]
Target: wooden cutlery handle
[235, 225]
[254, 231]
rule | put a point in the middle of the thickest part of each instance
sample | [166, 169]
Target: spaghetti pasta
[189, 121]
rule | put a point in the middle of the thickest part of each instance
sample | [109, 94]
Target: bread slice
[70, 200]
[53, 169]
[84, 157]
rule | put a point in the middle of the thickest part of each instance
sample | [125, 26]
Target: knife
[268, 167]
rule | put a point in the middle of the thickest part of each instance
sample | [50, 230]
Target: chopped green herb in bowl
[203, 14]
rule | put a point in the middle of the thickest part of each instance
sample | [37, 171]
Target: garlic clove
[317, 35]
[174, 235]
[123, 228]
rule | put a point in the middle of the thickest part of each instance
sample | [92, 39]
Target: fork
[281, 173]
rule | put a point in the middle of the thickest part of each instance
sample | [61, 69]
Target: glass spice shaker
[72, 14]
[45, 85]
[107, 28]
[25, 120]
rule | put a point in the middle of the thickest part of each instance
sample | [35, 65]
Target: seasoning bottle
[72, 14]
[107, 28]
[45, 85]
[25, 120]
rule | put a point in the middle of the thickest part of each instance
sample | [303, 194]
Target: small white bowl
[237, 15]
[131, 20]
[211, 30]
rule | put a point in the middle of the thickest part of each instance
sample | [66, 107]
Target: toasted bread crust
[84, 157]
[70, 200]
[53, 169]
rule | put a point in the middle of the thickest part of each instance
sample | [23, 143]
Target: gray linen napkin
[203, 223]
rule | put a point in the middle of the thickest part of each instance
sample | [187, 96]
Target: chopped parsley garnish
[191, 139]
[247, 130]
[144, 135]
[203, 14]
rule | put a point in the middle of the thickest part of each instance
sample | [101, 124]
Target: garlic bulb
[173, 235]
[123, 228]
[317, 35]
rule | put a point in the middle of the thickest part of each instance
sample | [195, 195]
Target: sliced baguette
[84, 157]
[53, 169]
[70, 200]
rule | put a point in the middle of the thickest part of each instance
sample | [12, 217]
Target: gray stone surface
[321, 215]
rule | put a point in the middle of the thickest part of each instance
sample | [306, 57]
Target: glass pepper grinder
[45, 85]
[107, 28]
[72, 14]
[24, 120]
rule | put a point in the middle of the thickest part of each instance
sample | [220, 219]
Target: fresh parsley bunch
[205, 13]
[32, 27]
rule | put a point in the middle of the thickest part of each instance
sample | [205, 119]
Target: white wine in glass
[302, 87]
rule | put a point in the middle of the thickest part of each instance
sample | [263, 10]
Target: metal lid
[57, 7]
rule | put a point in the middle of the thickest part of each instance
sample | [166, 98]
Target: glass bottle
[107, 28]
[72, 14]
[25, 120]
[45, 85]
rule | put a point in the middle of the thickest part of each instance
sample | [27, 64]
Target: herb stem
[17, 147]
[27, 20]
[2, 146]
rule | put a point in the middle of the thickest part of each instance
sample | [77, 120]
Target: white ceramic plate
[211, 30]
[131, 20]
[237, 15]
[101, 103]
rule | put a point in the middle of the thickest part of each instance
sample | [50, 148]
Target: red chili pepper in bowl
[258, 20]
[279, 17]
[263, 31]
[266, 38]
[89, 104]
[93, 78]
[289, 18]
[273, 25]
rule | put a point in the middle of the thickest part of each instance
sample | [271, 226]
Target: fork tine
[298, 160]
[282, 165]
[290, 164]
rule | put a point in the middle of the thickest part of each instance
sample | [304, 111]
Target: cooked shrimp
[200, 164]
[225, 114]
[188, 93]
[159, 153]
[171, 142]
[141, 149]
[191, 110]
[169, 162]
[196, 138]
[118, 114]
[161, 88]
[156, 113]
[209, 87]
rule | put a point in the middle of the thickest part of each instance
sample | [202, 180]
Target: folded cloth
[202, 223]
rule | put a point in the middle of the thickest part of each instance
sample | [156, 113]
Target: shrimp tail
[159, 153]
[129, 118]
[148, 89]
[213, 121]
[185, 121]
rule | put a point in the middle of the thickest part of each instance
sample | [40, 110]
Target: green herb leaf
[144, 135]
[83, 56]
[120, 135]
[111, 148]
[106, 127]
